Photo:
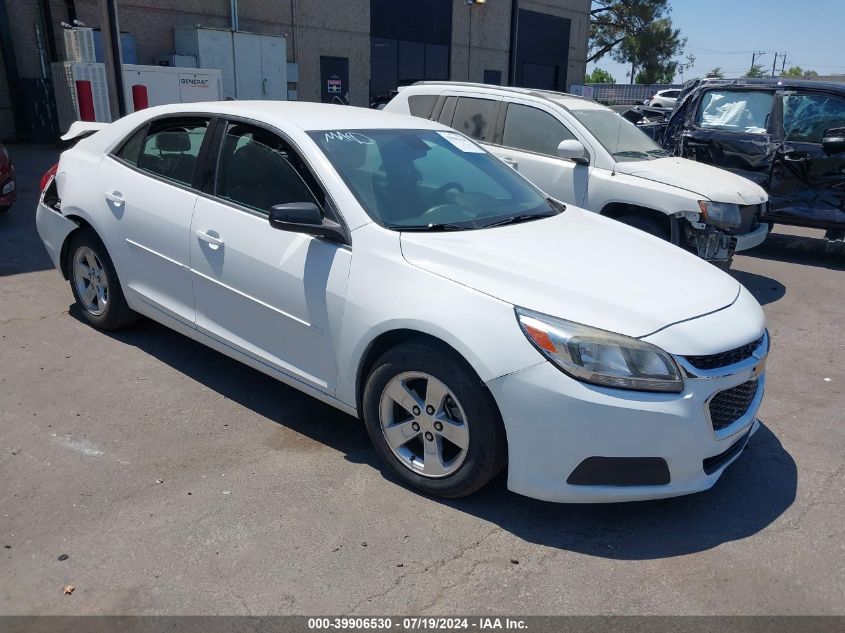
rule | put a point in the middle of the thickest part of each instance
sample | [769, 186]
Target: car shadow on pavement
[801, 249]
[751, 494]
[765, 289]
[754, 491]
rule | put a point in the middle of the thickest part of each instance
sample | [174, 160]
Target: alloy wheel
[92, 284]
[424, 424]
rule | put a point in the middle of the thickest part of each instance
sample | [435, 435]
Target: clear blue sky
[725, 32]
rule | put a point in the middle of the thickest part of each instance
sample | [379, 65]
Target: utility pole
[755, 55]
[783, 65]
[111, 49]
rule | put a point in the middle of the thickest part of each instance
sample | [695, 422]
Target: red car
[8, 194]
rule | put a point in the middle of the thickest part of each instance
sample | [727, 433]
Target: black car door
[808, 175]
[729, 128]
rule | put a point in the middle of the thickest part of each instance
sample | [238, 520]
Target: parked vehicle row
[393, 267]
[585, 154]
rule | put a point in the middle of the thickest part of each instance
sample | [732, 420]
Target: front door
[529, 141]
[731, 129]
[274, 295]
[147, 186]
[808, 179]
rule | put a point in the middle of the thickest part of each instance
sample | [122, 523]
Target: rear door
[148, 186]
[272, 294]
[528, 142]
[731, 129]
[472, 114]
[808, 179]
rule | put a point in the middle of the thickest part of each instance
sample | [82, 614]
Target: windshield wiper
[444, 226]
[631, 154]
[523, 217]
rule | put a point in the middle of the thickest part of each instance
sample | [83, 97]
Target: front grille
[727, 406]
[723, 359]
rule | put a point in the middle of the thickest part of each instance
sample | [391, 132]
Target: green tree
[797, 71]
[636, 32]
[599, 76]
[755, 72]
[716, 73]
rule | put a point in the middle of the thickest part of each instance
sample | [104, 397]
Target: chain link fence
[620, 94]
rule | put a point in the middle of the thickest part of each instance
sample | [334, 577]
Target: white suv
[664, 99]
[585, 154]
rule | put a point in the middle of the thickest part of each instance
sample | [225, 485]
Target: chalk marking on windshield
[357, 137]
[461, 142]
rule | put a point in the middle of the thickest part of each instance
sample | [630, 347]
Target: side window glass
[533, 130]
[171, 148]
[448, 111]
[735, 110]
[807, 116]
[132, 147]
[475, 118]
[422, 105]
[257, 169]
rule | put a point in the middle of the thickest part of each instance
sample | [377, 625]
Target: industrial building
[352, 51]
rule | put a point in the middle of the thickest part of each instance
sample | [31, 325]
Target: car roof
[773, 83]
[306, 116]
[564, 99]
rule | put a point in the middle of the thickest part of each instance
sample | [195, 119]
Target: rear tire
[644, 224]
[421, 375]
[94, 283]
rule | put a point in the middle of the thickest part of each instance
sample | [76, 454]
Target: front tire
[432, 422]
[94, 283]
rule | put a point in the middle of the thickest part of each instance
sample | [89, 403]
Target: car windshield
[430, 180]
[621, 138]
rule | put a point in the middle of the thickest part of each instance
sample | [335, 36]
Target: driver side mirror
[574, 151]
[834, 140]
[306, 217]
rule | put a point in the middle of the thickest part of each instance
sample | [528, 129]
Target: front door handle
[115, 197]
[507, 160]
[213, 242]
[796, 156]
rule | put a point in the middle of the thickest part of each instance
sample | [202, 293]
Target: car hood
[707, 181]
[578, 266]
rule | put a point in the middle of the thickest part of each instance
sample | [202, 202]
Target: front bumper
[752, 239]
[554, 423]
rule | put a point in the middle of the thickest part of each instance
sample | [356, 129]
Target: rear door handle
[213, 242]
[507, 160]
[115, 197]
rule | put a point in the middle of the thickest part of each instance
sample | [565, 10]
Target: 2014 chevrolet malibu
[393, 268]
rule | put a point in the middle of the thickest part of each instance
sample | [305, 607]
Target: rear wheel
[431, 421]
[647, 225]
[94, 283]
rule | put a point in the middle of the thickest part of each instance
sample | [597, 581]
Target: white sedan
[395, 269]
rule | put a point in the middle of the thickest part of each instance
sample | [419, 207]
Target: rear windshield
[420, 178]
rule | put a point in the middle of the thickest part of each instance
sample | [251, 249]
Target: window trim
[209, 173]
[770, 127]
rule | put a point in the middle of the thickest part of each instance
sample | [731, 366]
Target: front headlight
[600, 357]
[724, 214]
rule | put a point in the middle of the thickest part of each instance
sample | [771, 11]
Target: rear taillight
[47, 175]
